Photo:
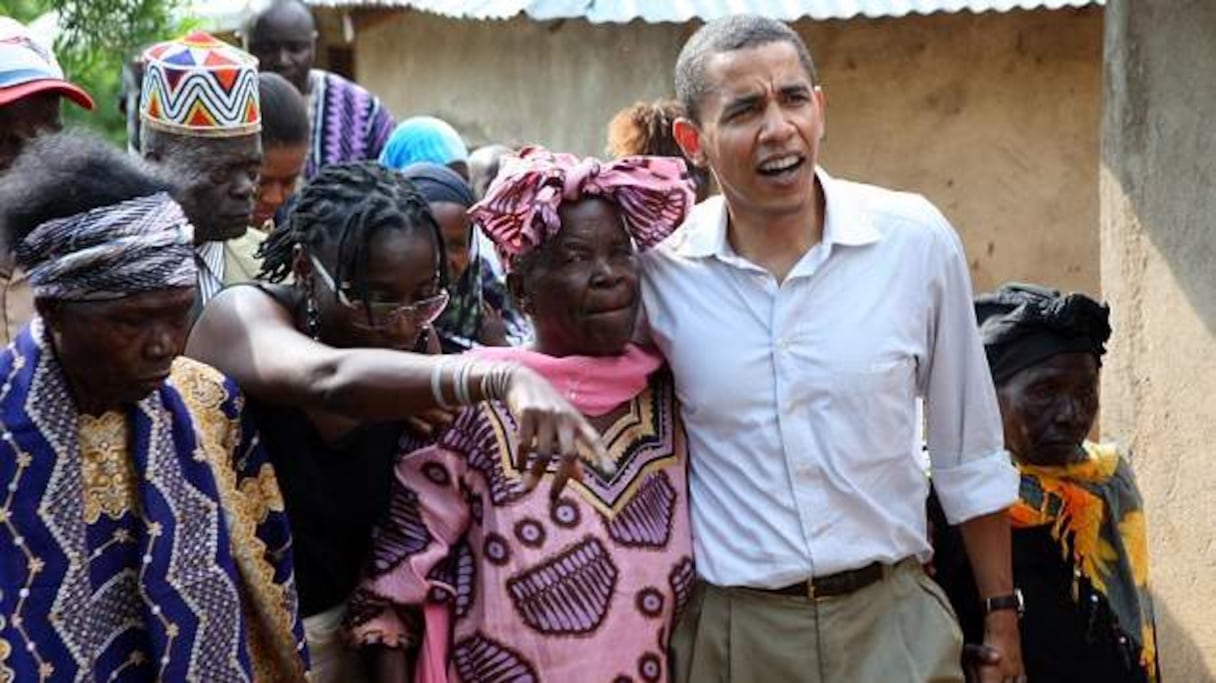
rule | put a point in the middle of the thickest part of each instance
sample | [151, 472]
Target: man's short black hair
[257, 22]
[728, 34]
[68, 173]
[284, 113]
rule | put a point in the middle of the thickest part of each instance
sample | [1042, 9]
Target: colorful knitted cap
[200, 86]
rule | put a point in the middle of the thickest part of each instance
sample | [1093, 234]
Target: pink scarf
[594, 384]
[519, 212]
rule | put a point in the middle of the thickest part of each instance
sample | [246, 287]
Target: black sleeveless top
[333, 493]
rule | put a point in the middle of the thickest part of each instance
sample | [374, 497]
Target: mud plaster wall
[994, 116]
[1159, 273]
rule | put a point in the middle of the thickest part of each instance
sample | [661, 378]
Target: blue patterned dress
[148, 544]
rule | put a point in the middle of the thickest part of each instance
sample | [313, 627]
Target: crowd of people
[294, 392]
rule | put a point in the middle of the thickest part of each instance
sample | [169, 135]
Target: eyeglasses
[382, 315]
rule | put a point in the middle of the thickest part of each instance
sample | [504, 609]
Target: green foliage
[24, 11]
[96, 38]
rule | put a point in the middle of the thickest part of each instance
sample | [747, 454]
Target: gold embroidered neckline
[106, 466]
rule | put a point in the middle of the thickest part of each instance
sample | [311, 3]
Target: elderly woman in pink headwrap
[514, 584]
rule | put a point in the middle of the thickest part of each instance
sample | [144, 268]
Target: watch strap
[1011, 601]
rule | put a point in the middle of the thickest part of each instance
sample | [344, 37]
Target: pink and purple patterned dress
[583, 588]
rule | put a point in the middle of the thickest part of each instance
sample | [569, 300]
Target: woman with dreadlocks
[326, 366]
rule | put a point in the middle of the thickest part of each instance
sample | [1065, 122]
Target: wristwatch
[1012, 601]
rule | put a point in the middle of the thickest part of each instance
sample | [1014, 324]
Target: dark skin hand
[364, 375]
[987, 541]
[581, 291]
[1047, 410]
[977, 658]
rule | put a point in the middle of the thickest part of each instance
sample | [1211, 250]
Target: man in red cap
[31, 86]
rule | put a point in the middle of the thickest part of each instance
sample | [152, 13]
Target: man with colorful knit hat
[200, 119]
[31, 87]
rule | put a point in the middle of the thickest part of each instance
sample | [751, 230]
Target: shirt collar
[212, 255]
[845, 222]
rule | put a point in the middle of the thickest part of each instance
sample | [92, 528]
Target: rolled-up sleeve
[971, 469]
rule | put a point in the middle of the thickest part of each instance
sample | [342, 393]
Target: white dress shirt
[799, 397]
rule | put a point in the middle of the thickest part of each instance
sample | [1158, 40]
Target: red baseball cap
[27, 67]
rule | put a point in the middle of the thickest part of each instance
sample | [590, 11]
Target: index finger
[569, 464]
[527, 437]
[590, 439]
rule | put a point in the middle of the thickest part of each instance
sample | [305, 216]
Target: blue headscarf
[423, 138]
[438, 183]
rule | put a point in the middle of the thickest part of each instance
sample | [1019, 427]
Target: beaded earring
[312, 317]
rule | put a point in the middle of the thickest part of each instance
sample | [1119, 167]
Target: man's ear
[821, 105]
[688, 137]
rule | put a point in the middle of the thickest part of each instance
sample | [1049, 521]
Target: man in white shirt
[802, 317]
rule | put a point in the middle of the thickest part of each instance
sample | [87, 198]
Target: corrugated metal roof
[679, 11]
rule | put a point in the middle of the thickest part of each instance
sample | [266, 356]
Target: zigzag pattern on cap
[200, 86]
[200, 101]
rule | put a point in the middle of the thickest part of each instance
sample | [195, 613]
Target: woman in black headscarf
[1080, 554]
[479, 312]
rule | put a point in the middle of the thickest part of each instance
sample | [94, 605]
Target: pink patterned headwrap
[519, 212]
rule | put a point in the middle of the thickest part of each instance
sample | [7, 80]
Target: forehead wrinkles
[762, 70]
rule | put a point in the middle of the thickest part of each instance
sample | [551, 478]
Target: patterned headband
[111, 252]
[519, 212]
[200, 86]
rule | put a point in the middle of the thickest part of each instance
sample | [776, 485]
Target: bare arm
[988, 548]
[249, 337]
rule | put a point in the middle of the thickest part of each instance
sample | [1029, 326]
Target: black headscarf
[439, 183]
[1023, 325]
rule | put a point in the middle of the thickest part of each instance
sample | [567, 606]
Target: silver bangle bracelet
[437, 384]
[462, 383]
[497, 382]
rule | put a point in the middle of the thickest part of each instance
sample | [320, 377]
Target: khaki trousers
[332, 660]
[898, 630]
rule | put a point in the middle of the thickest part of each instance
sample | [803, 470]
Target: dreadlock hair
[347, 205]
